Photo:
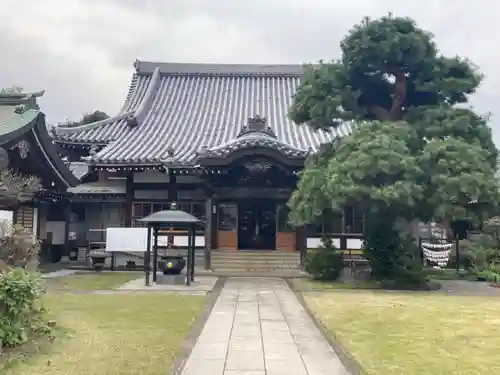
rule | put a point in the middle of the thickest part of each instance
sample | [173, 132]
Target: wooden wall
[227, 240]
[286, 241]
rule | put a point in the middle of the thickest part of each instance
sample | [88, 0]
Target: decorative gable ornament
[22, 148]
[93, 150]
[257, 124]
[132, 121]
[255, 134]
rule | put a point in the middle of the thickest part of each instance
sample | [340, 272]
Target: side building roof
[174, 111]
[23, 128]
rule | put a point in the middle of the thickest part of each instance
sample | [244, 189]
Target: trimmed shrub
[394, 256]
[324, 263]
[21, 312]
[18, 247]
[489, 276]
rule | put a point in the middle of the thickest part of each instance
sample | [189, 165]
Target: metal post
[155, 253]
[421, 251]
[193, 257]
[301, 244]
[208, 234]
[146, 255]
[67, 219]
[188, 264]
[457, 249]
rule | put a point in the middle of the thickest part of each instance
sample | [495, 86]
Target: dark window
[140, 210]
[315, 229]
[137, 210]
[199, 210]
[157, 207]
[24, 217]
[332, 222]
[227, 217]
[353, 220]
[77, 212]
[56, 213]
[348, 221]
[186, 207]
[282, 216]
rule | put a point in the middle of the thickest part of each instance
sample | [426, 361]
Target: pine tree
[418, 151]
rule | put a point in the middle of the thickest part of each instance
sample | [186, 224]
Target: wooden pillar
[208, 233]
[36, 224]
[193, 256]
[301, 233]
[155, 253]
[67, 219]
[172, 187]
[215, 224]
[191, 234]
[40, 212]
[129, 198]
[147, 256]
[15, 217]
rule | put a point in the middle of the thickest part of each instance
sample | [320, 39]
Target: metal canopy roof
[174, 217]
[173, 111]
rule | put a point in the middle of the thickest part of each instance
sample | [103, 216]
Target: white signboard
[135, 240]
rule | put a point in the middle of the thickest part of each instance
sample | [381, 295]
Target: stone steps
[253, 262]
[251, 274]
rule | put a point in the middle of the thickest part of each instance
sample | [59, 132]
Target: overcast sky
[82, 51]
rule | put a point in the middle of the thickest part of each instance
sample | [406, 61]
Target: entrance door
[257, 226]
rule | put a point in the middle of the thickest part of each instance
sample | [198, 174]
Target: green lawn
[413, 333]
[448, 274]
[304, 284]
[113, 334]
[92, 280]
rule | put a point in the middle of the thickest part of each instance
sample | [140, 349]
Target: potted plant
[130, 265]
[98, 259]
[73, 253]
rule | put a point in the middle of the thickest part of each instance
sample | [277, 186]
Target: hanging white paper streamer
[437, 253]
[437, 246]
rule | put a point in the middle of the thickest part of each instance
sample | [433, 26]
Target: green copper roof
[17, 111]
[11, 121]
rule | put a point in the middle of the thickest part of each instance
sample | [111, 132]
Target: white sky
[82, 51]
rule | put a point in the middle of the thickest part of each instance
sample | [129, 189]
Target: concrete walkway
[258, 327]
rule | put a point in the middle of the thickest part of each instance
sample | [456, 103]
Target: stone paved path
[468, 288]
[258, 327]
[60, 273]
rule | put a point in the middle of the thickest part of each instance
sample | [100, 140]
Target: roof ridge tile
[146, 102]
[214, 69]
[61, 131]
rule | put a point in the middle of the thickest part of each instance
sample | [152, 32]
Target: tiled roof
[104, 131]
[22, 127]
[99, 187]
[175, 111]
[17, 111]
